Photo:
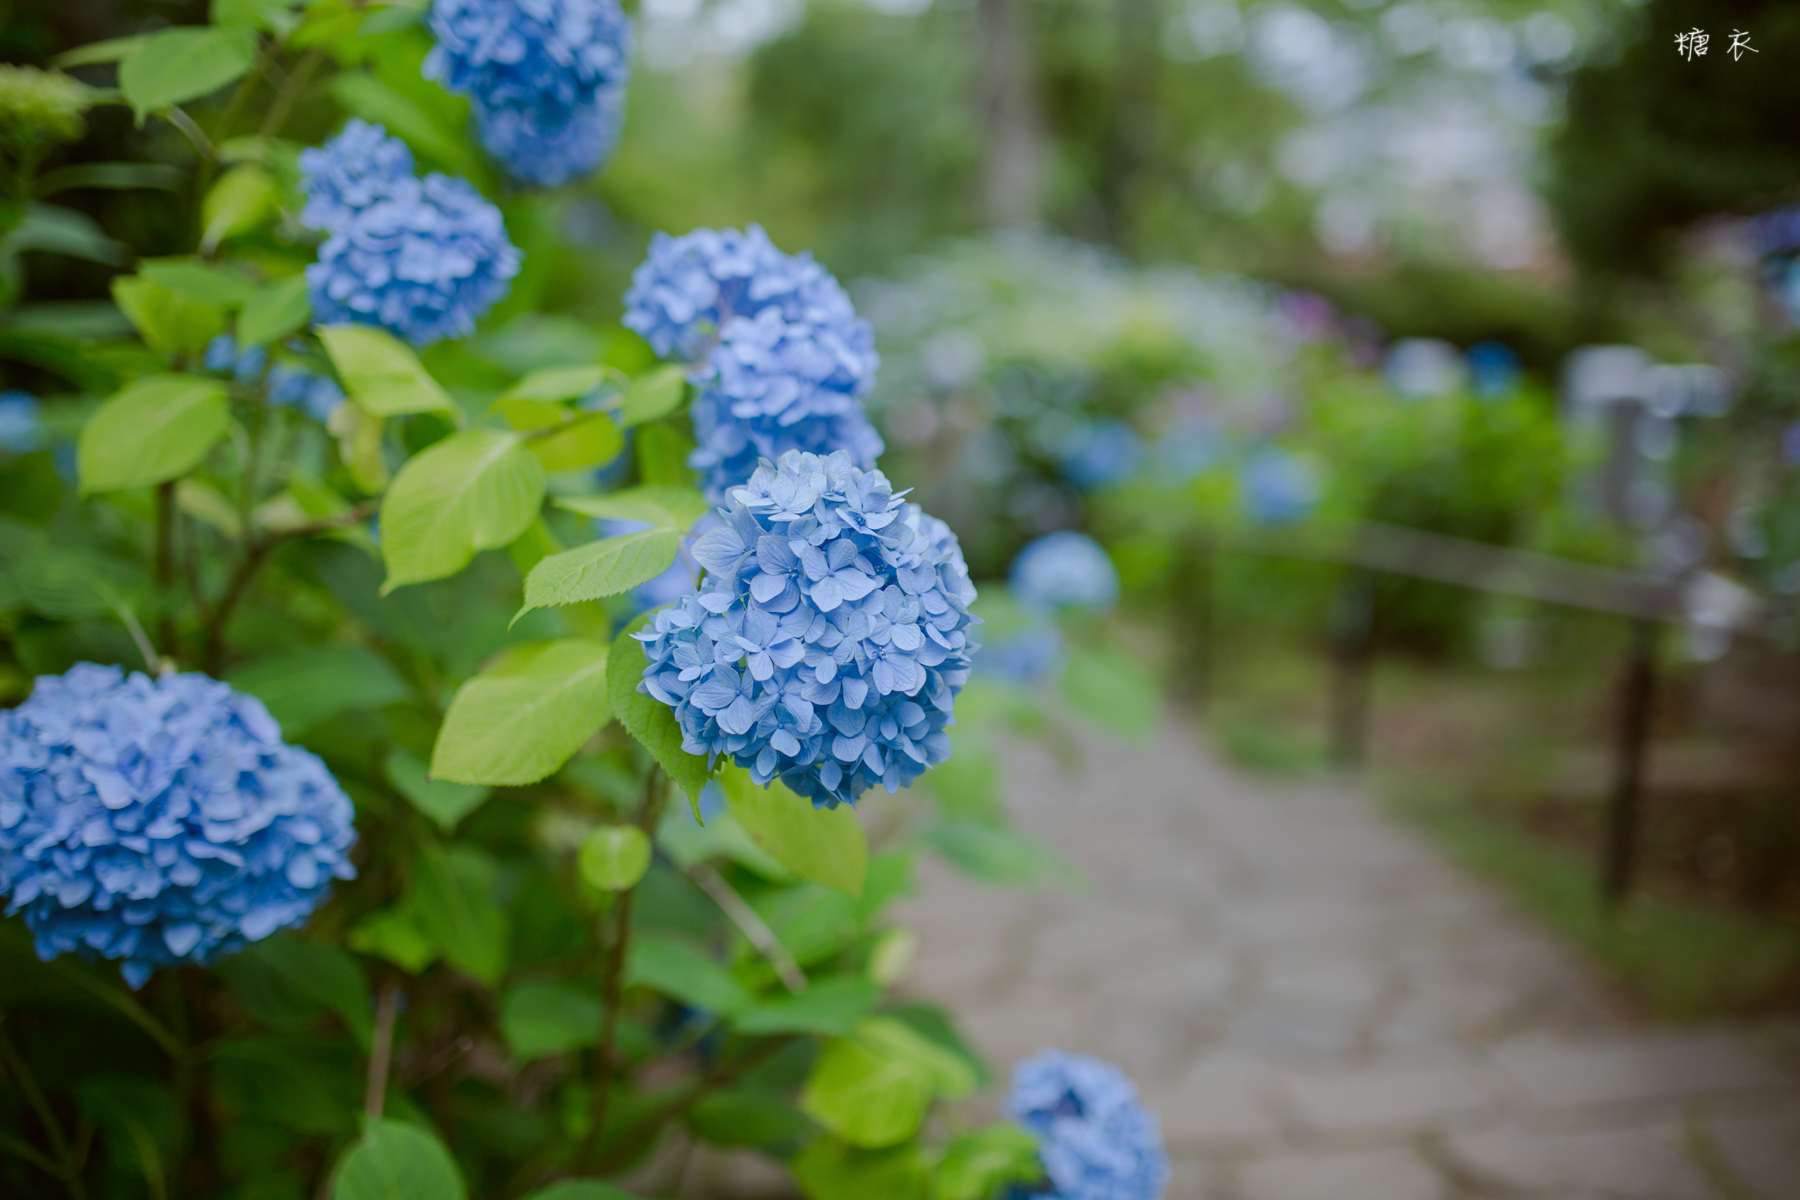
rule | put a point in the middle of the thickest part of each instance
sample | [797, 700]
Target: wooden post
[1637, 693]
[1352, 664]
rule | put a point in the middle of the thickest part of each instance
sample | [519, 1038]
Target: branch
[752, 925]
[387, 1011]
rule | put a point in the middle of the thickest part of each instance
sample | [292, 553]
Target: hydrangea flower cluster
[422, 258]
[830, 636]
[546, 77]
[19, 430]
[1100, 454]
[1096, 1140]
[1278, 488]
[1025, 658]
[780, 356]
[160, 821]
[291, 386]
[1065, 569]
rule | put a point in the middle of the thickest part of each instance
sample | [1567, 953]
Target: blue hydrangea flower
[424, 260]
[780, 356]
[160, 821]
[19, 430]
[291, 386]
[351, 172]
[1095, 1139]
[1100, 454]
[1278, 488]
[547, 147]
[547, 78]
[1065, 569]
[1027, 657]
[1494, 369]
[830, 636]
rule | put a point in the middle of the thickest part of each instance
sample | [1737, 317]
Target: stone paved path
[1322, 1008]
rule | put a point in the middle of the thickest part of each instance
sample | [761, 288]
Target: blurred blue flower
[546, 78]
[1277, 487]
[424, 261]
[1790, 444]
[1186, 449]
[1494, 369]
[1065, 569]
[829, 638]
[1026, 657]
[780, 356]
[354, 170]
[1787, 290]
[19, 431]
[1100, 454]
[1095, 1139]
[160, 821]
[1418, 368]
[291, 386]
[1776, 232]
[547, 147]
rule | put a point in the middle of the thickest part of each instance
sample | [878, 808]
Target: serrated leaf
[661, 505]
[392, 1161]
[555, 384]
[825, 845]
[244, 198]
[183, 63]
[472, 491]
[303, 687]
[539, 1019]
[157, 429]
[523, 717]
[169, 322]
[653, 395]
[648, 720]
[681, 971]
[272, 312]
[606, 567]
[614, 857]
[452, 900]
[381, 373]
[831, 1006]
[590, 440]
[866, 1095]
[442, 801]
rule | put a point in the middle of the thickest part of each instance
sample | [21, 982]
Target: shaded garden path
[1323, 1008]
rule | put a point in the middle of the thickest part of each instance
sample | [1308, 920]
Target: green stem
[69, 1171]
[290, 91]
[381, 1052]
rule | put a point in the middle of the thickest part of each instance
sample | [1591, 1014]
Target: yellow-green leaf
[184, 63]
[525, 715]
[825, 845]
[381, 373]
[157, 429]
[472, 491]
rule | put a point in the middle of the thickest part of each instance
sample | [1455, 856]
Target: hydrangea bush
[392, 861]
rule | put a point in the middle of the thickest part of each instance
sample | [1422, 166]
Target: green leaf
[607, 567]
[110, 50]
[452, 899]
[580, 1189]
[950, 1073]
[662, 505]
[648, 720]
[866, 1095]
[180, 64]
[160, 427]
[825, 845]
[540, 1019]
[523, 717]
[393, 934]
[210, 283]
[373, 100]
[981, 1163]
[284, 982]
[615, 857]
[243, 199]
[303, 687]
[1114, 691]
[442, 801]
[653, 395]
[589, 440]
[170, 322]
[381, 373]
[748, 1117]
[272, 312]
[472, 491]
[111, 176]
[831, 1006]
[679, 970]
[688, 843]
[555, 384]
[831, 1170]
[275, 16]
[392, 1161]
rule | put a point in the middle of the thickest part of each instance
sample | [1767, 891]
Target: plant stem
[387, 1011]
[290, 92]
[165, 563]
[752, 925]
[69, 1170]
[613, 984]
